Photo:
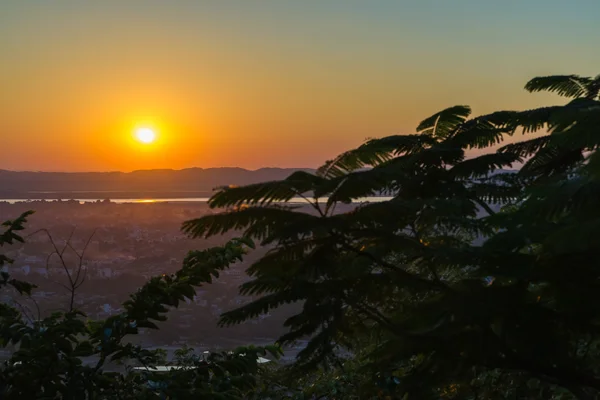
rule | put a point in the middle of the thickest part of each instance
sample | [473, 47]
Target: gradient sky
[264, 83]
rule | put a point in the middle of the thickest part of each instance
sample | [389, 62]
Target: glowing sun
[145, 135]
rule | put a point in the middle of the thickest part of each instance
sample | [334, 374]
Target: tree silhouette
[447, 313]
[396, 295]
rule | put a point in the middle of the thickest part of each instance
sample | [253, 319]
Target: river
[295, 200]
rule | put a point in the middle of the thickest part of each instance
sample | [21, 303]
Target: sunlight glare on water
[295, 200]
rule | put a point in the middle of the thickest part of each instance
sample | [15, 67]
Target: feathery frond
[552, 160]
[375, 152]
[564, 85]
[297, 184]
[526, 148]
[481, 132]
[483, 165]
[257, 222]
[443, 123]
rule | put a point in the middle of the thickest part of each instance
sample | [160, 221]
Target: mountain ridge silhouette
[192, 181]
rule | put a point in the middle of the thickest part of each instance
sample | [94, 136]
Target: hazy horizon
[159, 169]
[264, 83]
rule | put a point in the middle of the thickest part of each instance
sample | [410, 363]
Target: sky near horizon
[264, 83]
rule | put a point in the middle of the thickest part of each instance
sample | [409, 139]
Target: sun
[145, 135]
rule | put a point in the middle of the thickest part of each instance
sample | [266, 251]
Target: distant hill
[159, 183]
[191, 182]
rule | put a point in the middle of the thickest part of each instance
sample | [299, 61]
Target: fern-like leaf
[481, 132]
[483, 165]
[297, 184]
[572, 86]
[375, 152]
[526, 148]
[443, 123]
[552, 160]
[258, 222]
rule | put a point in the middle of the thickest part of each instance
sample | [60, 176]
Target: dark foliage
[450, 317]
[51, 356]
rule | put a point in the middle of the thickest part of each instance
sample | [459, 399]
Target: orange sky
[265, 83]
